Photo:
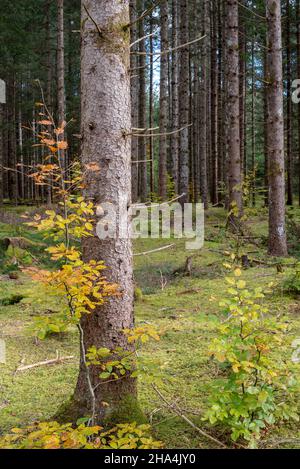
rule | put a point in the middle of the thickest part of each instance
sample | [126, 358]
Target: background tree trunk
[163, 101]
[232, 110]
[184, 103]
[277, 234]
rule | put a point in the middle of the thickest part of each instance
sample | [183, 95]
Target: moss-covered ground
[183, 308]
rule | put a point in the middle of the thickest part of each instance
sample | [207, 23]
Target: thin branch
[143, 15]
[92, 20]
[178, 412]
[142, 39]
[159, 205]
[163, 133]
[171, 49]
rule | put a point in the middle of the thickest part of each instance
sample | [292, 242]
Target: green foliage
[52, 435]
[292, 283]
[256, 387]
[44, 326]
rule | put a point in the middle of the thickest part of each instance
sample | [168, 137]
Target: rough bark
[106, 123]
[277, 233]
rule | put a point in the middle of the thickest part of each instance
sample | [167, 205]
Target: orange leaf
[62, 145]
[45, 122]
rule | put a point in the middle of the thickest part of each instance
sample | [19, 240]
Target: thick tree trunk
[277, 234]
[163, 101]
[232, 111]
[106, 121]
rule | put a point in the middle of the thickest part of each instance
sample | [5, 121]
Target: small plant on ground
[52, 435]
[256, 389]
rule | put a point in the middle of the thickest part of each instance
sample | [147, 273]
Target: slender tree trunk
[184, 104]
[214, 106]
[134, 100]
[242, 71]
[175, 96]
[298, 75]
[151, 108]
[61, 95]
[1, 156]
[277, 233]
[106, 119]
[253, 127]
[142, 145]
[232, 111]
[266, 145]
[289, 123]
[163, 101]
[203, 108]
[48, 84]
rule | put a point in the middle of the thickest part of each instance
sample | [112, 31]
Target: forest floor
[185, 310]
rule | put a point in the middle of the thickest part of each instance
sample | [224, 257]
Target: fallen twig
[154, 250]
[54, 361]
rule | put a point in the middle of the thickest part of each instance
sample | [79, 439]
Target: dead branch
[163, 133]
[54, 361]
[154, 250]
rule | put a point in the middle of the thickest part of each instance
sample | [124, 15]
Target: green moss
[128, 410]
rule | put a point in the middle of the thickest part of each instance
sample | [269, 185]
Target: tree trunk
[232, 111]
[277, 234]
[214, 106]
[151, 108]
[184, 104]
[289, 123]
[203, 108]
[1, 156]
[134, 100]
[163, 101]
[106, 119]
[298, 75]
[61, 96]
[175, 96]
[142, 145]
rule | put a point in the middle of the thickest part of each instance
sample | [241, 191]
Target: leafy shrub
[52, 435]
[256, 387]
[292, 283]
